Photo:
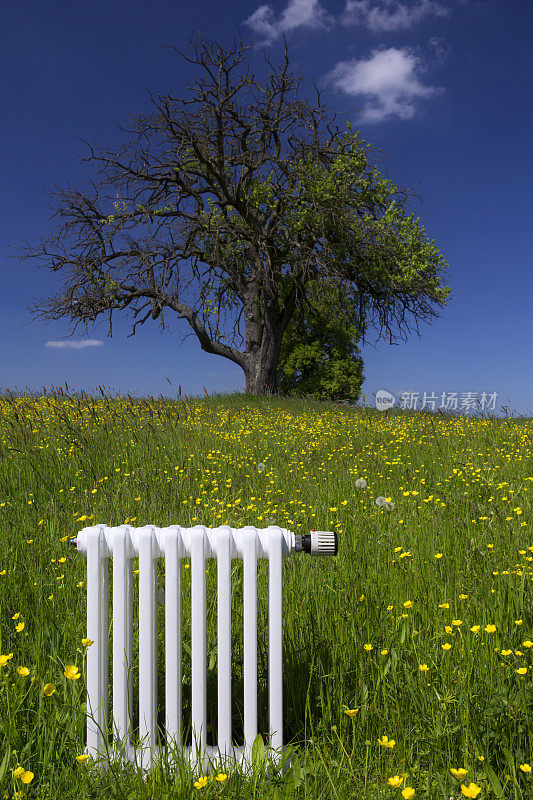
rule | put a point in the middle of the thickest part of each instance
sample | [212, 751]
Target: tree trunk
[263, 335]
[260, 365]
[261, 378]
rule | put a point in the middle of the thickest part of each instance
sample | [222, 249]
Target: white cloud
[297, 14]
[76, 345]
[390, 15]
[389, 82]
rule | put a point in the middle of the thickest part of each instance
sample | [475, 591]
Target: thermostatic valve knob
[318, 543]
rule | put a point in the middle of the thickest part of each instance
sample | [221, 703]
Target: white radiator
[173, 544]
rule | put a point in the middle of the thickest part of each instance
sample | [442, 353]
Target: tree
[319, 353]
[254, 209]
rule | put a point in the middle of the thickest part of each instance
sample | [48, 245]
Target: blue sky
[443, 87]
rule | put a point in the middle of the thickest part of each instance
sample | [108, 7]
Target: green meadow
[407, 657]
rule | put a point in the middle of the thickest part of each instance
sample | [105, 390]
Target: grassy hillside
[407, 658]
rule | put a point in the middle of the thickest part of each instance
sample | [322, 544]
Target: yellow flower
[475, 628]
[490, 628]
[23, 671]
[19, 627]
[369, 647]
[423, 667]
[521, 671]
[72, 672]
[446, 646]
[27, 777]
[457, 622]
[87, 642]
[351, 711]
[525, 767]
[395, 782]
[408, 792]
[386, 742]
[49, 689]
[5, 659]
[199, 784]
[408, 604]
[471, 791]
[459, 773]
[82, 759]
[221, 777]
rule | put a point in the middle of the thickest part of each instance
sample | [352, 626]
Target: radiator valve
[317, 543]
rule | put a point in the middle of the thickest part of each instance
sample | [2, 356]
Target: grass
[407, 658]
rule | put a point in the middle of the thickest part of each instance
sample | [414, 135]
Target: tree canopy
[220, 208]
[319, 353]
